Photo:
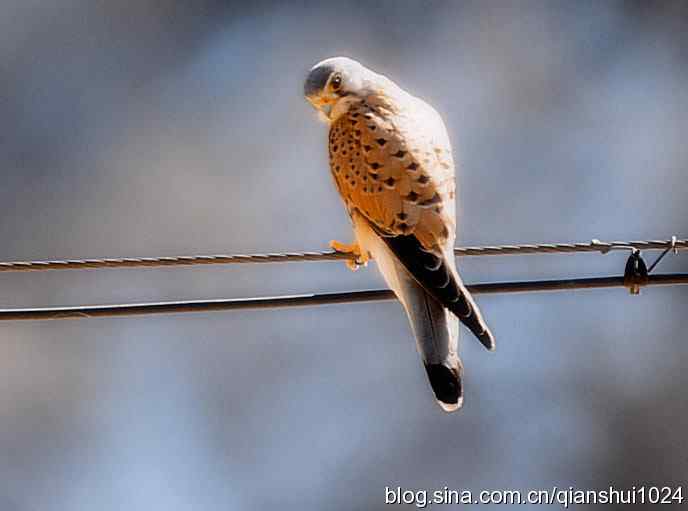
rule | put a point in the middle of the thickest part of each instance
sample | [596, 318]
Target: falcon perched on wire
[392, 163]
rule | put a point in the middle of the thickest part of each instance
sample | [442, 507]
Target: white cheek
[342, 106]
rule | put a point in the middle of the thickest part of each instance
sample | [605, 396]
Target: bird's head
[333, 84]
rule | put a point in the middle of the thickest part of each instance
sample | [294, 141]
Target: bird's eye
[336, 82]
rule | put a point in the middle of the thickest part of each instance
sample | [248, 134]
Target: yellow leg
[360, 258]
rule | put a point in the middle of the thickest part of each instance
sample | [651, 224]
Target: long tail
[434, 327]
[436, 333]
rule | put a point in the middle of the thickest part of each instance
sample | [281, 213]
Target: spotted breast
[400, 178]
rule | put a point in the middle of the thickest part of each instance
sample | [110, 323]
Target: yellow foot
[360, 258]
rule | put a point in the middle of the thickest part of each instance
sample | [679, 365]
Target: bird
[392, 163]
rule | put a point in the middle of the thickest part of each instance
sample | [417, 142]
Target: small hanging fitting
[636, 274]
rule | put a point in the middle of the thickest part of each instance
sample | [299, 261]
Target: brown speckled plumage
[401, 188]
[392, 163]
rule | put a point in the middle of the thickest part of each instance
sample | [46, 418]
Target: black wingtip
[487, 340]
[446, 384]
[473, 320]
[436, 276]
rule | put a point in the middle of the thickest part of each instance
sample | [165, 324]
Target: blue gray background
[143, 128]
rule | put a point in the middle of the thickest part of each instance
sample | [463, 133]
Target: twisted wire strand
[196, 260]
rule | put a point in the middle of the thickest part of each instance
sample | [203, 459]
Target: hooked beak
[323, 105]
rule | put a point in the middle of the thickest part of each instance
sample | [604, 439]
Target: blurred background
[166, 127]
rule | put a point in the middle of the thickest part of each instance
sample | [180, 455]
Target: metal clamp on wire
[635, 274]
